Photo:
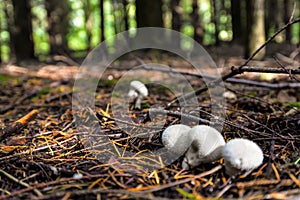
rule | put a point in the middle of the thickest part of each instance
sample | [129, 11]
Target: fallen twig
[18, 124]
[179, 114]
[234, 80]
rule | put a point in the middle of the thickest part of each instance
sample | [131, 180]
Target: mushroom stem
[138, 102]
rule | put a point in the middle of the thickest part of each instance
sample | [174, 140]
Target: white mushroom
[176, 139]
[241, 155]
[137, 91]
[230, 96]
[206, 146]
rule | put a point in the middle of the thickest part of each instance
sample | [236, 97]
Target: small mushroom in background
[176, 139]
[230, 96]
[241, 155]
[137, 91]
[206, 146]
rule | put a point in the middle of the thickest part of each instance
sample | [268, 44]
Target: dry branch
[16, 126]
[234, 71]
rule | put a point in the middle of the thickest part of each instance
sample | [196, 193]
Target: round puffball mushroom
[230, 96]
[206, 146]
[139, 91]
[176, 139]
[241, 155]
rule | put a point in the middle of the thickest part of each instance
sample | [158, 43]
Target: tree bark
[149, 13]
[58, 19]
[236, 20]
[215, 21]
[176, 21]
[126, 23]
[288, 9]
[198, 29]
[102, 20]
[88, 23]
[22, 32]
[10, 24]
[256, 28]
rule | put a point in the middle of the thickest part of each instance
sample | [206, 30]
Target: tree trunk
[88, 23]
[1, 30]
[176, 22]
[102, 20]
[10, 23]
[198, 29]
[215, 21]
[273, 19]
[58, 19]
[236, 20]
[288, 9]
[117, 20]
[256, 28]
[149, 13]
[126, 23]
[22, 33]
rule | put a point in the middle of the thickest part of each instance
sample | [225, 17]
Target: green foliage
[86, 15]
[39, 25]
[186, 194]
[294, 104]
[4, 79]
[295, 34]
[43, 91]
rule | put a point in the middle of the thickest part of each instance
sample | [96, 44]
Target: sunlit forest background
[37, 29]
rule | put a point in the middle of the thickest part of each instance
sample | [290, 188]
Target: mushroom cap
[132, 94]
[206, 146]
[241, 155]
[138, 87]
[176, 139]
[230, 96]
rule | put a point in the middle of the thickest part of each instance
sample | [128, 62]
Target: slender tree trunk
[256, 28]
[176, 22]
[117, 20]
[273, 18]
[126, 24]
[22, 34]
[102, 20]
[88, 23]
[288, 9]
[1, 30]
[149, 13]
[198, 29]
[58, 19]
[236, 20]
[10, 23]
[268, 17]
[215, 21]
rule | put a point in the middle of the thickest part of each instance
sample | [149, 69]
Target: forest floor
[43, 154]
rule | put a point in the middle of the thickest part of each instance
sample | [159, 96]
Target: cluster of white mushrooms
[204, 144]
